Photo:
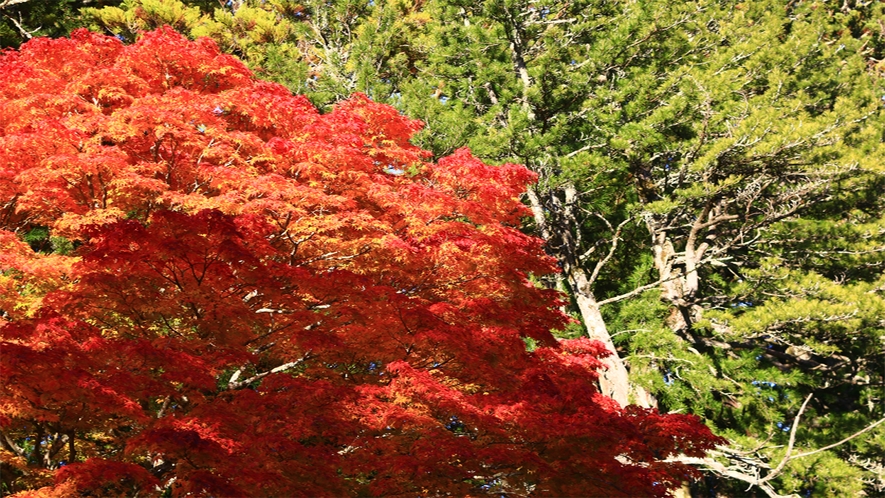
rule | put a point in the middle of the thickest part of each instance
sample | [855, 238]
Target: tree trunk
[614, 381]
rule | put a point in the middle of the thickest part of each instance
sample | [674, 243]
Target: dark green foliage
[32, 18]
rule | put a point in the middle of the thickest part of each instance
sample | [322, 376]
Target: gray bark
[615, 380]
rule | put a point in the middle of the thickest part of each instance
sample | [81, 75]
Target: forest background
[710, 183]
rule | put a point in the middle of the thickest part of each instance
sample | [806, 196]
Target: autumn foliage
[208, 288]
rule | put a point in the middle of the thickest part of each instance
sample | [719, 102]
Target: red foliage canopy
[209, 288]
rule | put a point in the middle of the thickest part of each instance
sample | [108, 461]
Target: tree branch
[849, 438]
[10, 445]
[638, 290]
[777, 470]
[27, 35]
[616, 236]
[9, 3]
[234, 384]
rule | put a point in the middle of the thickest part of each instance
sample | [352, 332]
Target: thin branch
[715, 221]
[281, 368]
[777, 470]
[638, 290]
[583, 149]
[9, 3]
[616, 236]
[27, 35]
[849, 438]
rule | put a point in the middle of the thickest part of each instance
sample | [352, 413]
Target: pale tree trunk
[672, 279]
[614, 381]
[679, 285]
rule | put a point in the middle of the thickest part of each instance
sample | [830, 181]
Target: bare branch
[9, 444]
[777, 470]
[616, 237]
[27, 35]
[739, 475]
[746, 468]
[638, 290]
[849, 438]
[9, 3]
[233, 384]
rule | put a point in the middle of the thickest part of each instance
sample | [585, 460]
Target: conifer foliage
[210, 289]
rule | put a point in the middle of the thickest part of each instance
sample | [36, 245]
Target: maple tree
[209, 288]
[709, 184]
